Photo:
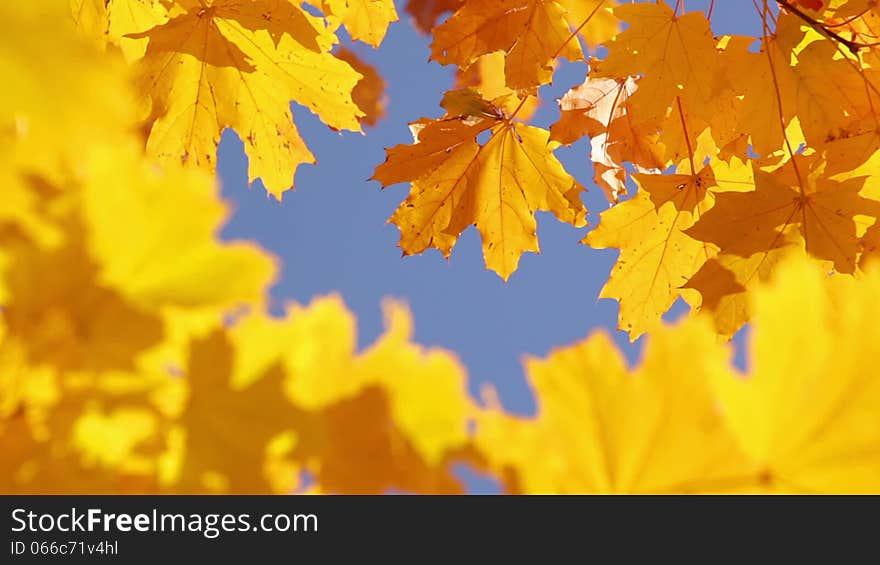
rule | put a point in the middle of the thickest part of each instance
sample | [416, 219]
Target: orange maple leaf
[497, 185]
[533, 33]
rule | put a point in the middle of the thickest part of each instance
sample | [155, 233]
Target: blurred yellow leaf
[809, 411]
[603, 428]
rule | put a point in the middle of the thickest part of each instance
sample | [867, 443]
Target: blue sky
[332, 236]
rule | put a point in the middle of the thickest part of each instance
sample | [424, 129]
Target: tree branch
[820, 27]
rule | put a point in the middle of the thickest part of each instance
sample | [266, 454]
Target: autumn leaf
[238, 65]
[366, 20]
[173, 255]
[532, 33]
[496, 186]
[789, 80]
[774, 221]
[821, 211]
[486, 77]
[597, 109]
[219, 442]
[593, 20]
[107, 22]
[675, 55]
[804, 420]
[296, 391]
[97, 108]
[136, 351]
[369, 92]
[808, 413]
[601, 428]
[726, 281]
[425, 13]
[85, 445]
[656, 257]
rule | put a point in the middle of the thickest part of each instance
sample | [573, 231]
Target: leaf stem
[687, 139]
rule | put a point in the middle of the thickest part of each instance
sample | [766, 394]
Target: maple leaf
[593, 20]
[602, 428]
[172, 255]
[108, 21]
[675, 56]
[42, 60]
[366, 20]
[75, 399]
[726, 281]
[804, 420]
[496, 186]
[821, 211]
[656, 257]
[533, 33]
[239, 64]
[224, 429]
[853, 24]
[425, 13]
[486, 77]
[427, 388]
[763, 226]
[85, 445]
[808, 412]
[190, 398]
[71, 322]
[415, 403]
[369, 92]
[296, 386]
[180, 401]
[796, 77]
[597, 108]
[141, 258]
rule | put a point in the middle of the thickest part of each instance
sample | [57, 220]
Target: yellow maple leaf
[532, 33]
[675, 54]
[219, 442]
[496, 186]
[804, 420]
[427, 388]
[172, 255]
[808, 412]
[726, 281]
[797, 208]
[42, 60]
[797, 76]
[70, 464]
[656, 256]
[81, 335]
[108, 21]
[275, 396]
[594, 20]
[366, 20]
[796, 198]
[238, 65]
[486, 77]
[602, 428]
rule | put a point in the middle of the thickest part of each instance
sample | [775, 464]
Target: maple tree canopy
[740, 173]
